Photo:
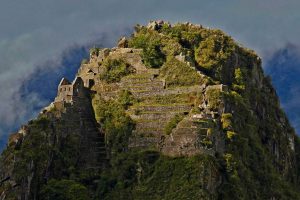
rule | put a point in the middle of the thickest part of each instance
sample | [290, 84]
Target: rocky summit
[176, 111]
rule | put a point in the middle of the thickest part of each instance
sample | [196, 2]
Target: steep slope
[174, 112]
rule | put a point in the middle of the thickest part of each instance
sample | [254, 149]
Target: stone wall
[151, 117]
[74, 107]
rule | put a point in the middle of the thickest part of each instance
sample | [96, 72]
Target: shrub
[34, 150]
[230, 134]
[64, 190]
[115, 69]
[214, 98]
[116, 123]
[190, 39]
[173, 123]
[239, 76]
[239, 80]
[226, 120]
[214, 51]
[171, 47]
[140, 176]
[125, 98]
[174, 32]
[94, 51]
[152, 55]
[151, 44]
[177, 73]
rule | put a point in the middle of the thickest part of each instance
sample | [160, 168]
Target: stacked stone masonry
[151, 118]
[77, 112]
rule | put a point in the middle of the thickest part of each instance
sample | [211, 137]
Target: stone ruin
[73, 106]
[156, 25]
[68, 92]
[150, 119]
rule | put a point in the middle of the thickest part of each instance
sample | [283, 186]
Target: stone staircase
[152, 117]
[188, 136]
[146, 85]
[97, 148]
[141, 83]
[92, 140]
[151, 120]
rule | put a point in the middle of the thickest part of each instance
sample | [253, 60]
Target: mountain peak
[173, 106]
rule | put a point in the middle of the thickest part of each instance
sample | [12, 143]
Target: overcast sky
[35, 34]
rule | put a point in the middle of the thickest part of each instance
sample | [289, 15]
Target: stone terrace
[156, 106]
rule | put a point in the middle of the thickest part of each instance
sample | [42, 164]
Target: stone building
[67, 91]
[89, 74]
[73, 106]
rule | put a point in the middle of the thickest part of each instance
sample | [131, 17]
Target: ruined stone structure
[68, 92]
[225, 112]
[151, 118]
[157, 24]
[74, 107]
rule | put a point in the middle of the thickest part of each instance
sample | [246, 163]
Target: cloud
[26, 87]
[35, 34]
[284, 68]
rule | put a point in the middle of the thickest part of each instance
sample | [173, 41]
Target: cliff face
[174, 112]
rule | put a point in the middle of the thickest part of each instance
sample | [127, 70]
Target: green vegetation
[46, 149]
[226, 120]
[206, 142]
[227, 125]
[148, 175]
[214, 96]
[125, 98]
[214, 51]
[239, 80]
[33, 150]
[177, 73]
[256, 160]
[151, 44]
[239, 76]
[173, 123]
[230, 134]
[188, 36]
[115, 69]
[64, 190]
[115, 123]
[247, 164]
[94, 51]
[249, 157]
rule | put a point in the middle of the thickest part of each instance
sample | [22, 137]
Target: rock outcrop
[174, 112]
